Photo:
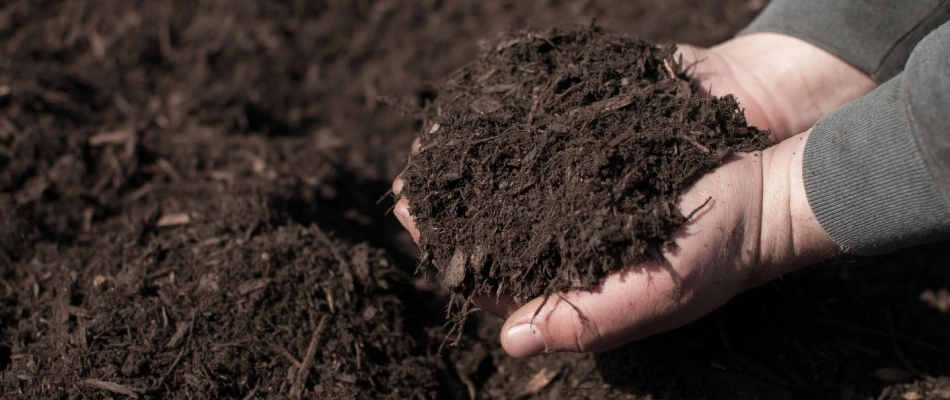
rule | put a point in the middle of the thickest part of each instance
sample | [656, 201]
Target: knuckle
[401, 209]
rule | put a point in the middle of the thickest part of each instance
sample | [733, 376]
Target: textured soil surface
[188, 210]
[558, 156]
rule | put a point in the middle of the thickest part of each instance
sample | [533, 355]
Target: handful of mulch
[557, 157]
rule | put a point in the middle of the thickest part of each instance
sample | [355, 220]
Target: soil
[558, 156]
[189, 196]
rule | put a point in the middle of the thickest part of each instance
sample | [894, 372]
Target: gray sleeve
[877, 36]
[877, 170]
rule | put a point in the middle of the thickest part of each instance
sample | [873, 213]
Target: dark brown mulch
[152, 153]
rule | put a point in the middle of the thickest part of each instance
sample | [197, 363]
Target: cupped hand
[784, 83]
[757, 226]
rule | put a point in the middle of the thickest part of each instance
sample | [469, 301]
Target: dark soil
[188, 203]
[558, 157]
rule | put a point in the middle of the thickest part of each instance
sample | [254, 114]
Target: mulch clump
[558, 156]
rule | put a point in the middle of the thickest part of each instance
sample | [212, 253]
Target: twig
[534, 105]
[173, 220]
[538, 310]
[344, 265]
[297, 389]
[253, 392]
[115, 137]
[472, 391]
[113, 387]
[161, 380]
[698, 145]
[669, 68]
[290, 357]
[696, 210]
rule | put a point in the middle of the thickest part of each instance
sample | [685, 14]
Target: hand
[758, 226]
[752, 231]
[784, 84]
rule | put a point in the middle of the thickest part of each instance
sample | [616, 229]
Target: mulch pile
[558, 157]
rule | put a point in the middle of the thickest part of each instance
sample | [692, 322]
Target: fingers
[627, 307]
[398, 183]
[416, 145]
[596, 320]
[401, 210]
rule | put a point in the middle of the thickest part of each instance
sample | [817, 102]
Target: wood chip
[613, 103]
[484, 77]
[455, 273]
[77, 311]
[173, 220]
[180, 331]
[893, 375]
[114, 137]
[498, 88]
[113, 387]
[669, 68]
[538, 382]
[478, 258]
[485, 105]
[253, 285]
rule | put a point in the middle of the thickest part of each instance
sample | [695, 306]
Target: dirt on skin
[558, 156]
[187, 189]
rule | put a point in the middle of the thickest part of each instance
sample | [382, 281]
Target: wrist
[791, 236]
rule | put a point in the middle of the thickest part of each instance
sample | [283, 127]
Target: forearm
[877, 171]
[877, 36]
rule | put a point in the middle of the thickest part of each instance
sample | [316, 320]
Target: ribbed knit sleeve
[874, 35]
[877, 171]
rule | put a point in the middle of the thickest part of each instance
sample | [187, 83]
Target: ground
[190, 195]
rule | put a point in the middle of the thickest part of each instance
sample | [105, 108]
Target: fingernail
[524, 340]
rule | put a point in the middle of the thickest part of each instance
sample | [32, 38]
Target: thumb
[626, 306]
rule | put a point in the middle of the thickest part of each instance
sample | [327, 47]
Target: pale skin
[758, 225]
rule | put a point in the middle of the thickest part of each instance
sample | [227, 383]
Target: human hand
[757, 226]
[784, 84]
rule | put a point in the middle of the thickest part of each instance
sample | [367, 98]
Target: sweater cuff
[866, 180]
[876, 36]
